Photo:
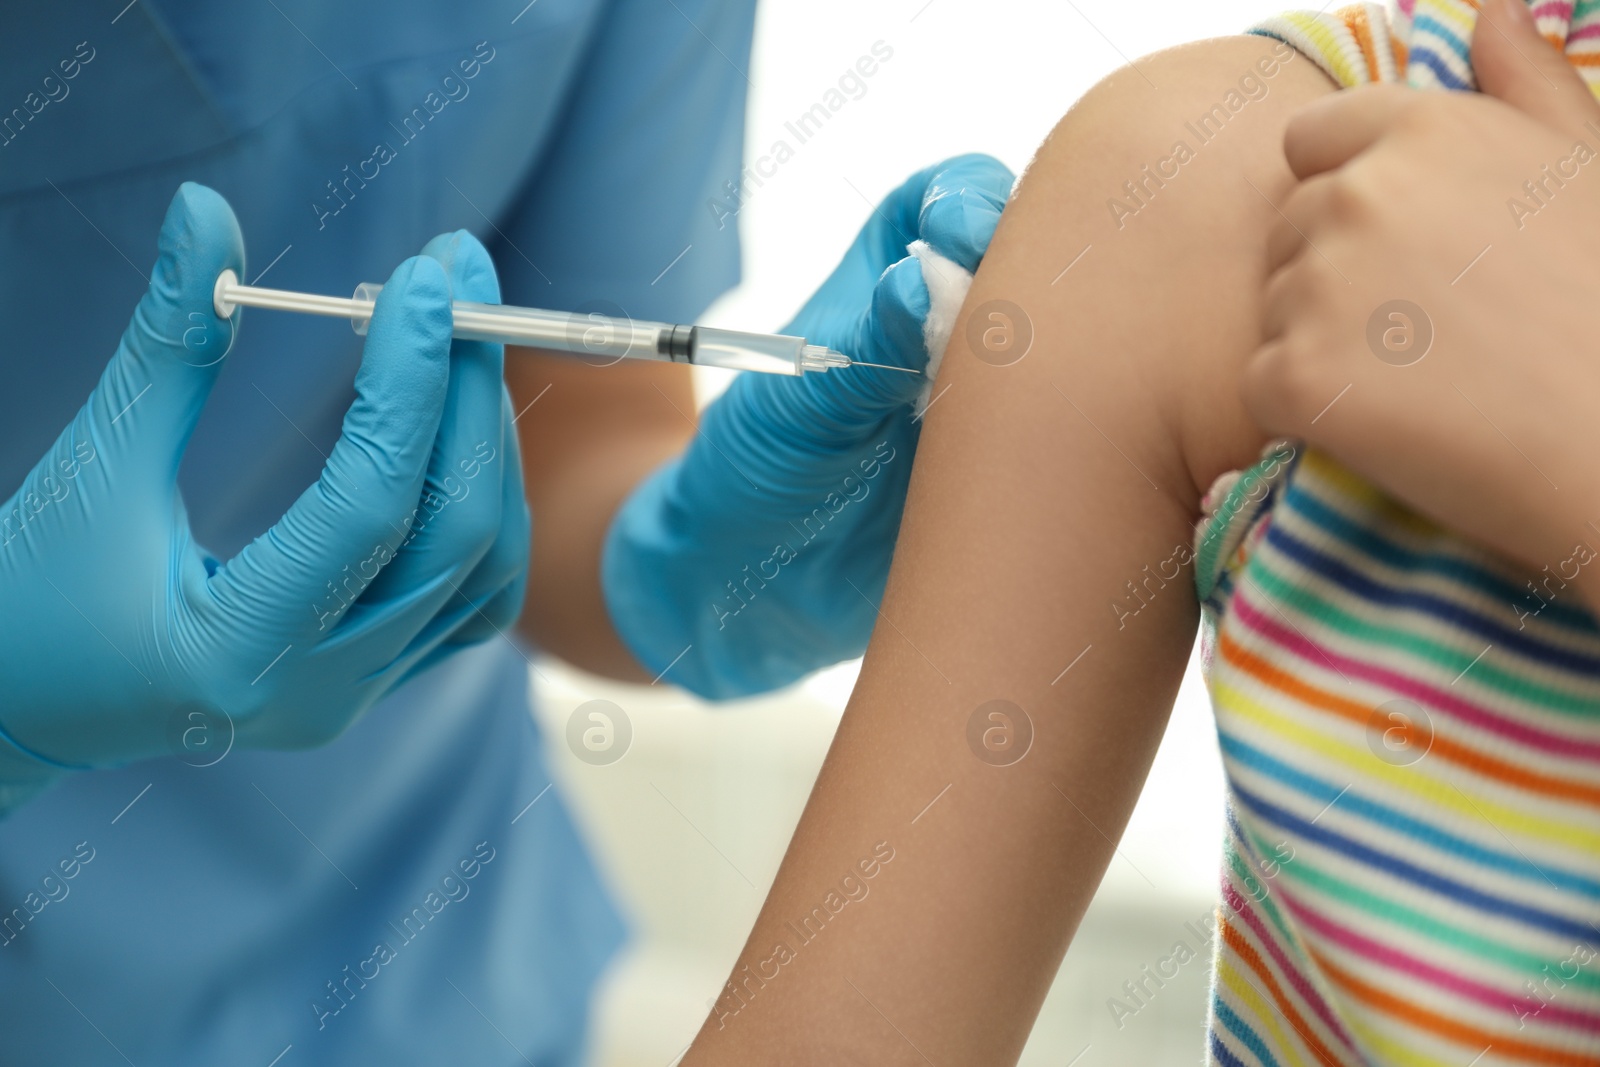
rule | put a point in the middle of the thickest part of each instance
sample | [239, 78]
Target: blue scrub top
[389, 898]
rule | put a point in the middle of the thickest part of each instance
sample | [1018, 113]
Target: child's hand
[1430, 318]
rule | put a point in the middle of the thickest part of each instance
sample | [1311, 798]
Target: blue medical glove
[121, 638]
[473, 473]
[761, 553]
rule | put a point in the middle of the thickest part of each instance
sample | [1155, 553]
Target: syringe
[598, 336]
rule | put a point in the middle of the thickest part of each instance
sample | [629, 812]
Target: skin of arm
[1041, 490]
[588, 436]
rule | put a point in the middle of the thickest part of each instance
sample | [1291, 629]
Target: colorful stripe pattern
[1427, 43]
[1411, 730]
[1410, 727]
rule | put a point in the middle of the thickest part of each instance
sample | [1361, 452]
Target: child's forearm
[1042, 575]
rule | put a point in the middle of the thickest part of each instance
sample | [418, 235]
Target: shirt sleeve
[629, 210]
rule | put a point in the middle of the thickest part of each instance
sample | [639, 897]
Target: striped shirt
[1410, 727]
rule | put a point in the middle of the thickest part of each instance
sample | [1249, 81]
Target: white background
[690, 825]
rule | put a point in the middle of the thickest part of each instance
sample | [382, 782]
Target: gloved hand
[760, 554]
[121, 638]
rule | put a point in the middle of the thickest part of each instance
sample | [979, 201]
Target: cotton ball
[947, 284]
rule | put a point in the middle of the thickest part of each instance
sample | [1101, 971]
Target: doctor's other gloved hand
[121, 638]
[760, 554]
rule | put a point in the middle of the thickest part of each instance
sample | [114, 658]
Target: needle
[884, 366]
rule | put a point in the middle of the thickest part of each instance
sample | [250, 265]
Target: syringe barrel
[736, 350]
[585, 334]
[613, 338]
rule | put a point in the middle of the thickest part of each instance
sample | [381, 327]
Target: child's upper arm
[1041, 603]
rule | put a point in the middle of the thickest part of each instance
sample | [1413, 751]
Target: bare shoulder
[1139, 232]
